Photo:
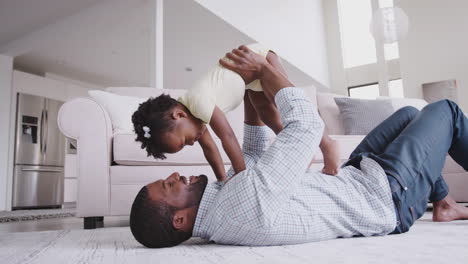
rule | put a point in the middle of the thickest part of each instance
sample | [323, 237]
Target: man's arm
[275, 61]
[256, 136]
[286, 160]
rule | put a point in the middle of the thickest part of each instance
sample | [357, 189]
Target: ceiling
[109, 42]
[20, 17]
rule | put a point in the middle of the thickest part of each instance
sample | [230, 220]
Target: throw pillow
[120, 109]
[361, 116]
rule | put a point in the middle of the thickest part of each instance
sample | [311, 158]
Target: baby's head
[164, 125]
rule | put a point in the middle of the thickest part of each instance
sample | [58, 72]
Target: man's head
[163, 213]
[169, 126]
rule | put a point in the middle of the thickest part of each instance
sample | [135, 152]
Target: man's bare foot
[331, 156]
[448, 210]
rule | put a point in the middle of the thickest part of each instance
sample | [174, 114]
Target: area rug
[25, 215]
[427, 243]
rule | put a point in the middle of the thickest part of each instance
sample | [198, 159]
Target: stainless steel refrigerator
[39, 154]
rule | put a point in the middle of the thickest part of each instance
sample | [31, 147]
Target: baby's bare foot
[448, 210]
[331, 157]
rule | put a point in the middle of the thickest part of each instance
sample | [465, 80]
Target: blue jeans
[411, 147]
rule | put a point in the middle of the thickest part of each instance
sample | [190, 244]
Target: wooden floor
[68, 223]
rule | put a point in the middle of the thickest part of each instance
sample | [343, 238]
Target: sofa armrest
[89, 124]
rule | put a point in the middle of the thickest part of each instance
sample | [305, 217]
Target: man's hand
[246, 63]
[251, 66]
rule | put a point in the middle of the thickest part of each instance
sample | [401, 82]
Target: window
[360, 50]
[371, 91]
[357, 41]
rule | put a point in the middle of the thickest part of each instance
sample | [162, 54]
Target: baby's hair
[154, 114]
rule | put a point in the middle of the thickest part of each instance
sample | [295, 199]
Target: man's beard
[197, 189]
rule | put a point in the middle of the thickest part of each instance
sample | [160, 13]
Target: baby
[164, 125]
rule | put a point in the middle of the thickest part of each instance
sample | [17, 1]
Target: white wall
[197, 38]
[6, 71]
[53, 86]
[74, 88]
[338, 81]
[436, 46]
[295, 29]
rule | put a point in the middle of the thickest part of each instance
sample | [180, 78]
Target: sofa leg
[93, 222]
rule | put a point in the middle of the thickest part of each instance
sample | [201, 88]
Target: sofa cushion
[311, 92]
[330, 113]
[121, 107]
[145, 92]
[128, 152]
[398, 103]
[346, 145]
[126, 182]
[361, 116]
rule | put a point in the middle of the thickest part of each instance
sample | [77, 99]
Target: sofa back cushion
[402, 102]
[121, 102]
[128, 152]
[333, 120]
[361, 116]
[120, 108]
[311, 92]
[330, 113]
[145, 92]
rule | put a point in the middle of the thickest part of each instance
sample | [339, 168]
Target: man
[382, 189]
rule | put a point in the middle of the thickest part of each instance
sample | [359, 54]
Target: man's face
[179, 191]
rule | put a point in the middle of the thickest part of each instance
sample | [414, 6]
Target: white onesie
[219, 87]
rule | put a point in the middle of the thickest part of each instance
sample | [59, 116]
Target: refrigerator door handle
[42, 170]
[46, 130]
[41, 139]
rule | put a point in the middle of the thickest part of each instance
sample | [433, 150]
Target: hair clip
[147, 130]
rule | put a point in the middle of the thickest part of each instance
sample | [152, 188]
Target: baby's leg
[331, 155]
[266, 110]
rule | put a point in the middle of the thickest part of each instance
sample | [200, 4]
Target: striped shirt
[276, 201]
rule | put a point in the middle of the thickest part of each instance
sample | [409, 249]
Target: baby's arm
[212, 155]
[231, 146]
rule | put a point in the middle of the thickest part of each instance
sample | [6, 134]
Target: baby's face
[185, 132]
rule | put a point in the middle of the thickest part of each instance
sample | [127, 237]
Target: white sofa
[112, 167]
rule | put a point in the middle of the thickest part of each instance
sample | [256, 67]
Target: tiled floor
[58, 224]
